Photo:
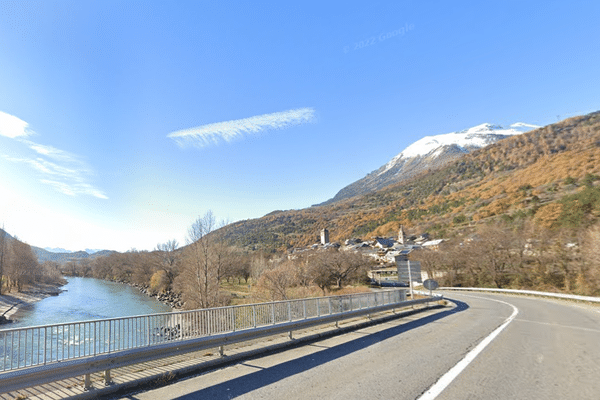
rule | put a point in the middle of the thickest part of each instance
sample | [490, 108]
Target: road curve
[549, 350]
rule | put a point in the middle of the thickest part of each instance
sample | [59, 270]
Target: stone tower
[401, 235]
[324, 236]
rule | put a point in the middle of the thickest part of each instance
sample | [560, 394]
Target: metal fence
[51, 344]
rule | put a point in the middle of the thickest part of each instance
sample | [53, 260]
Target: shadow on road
[267, 376]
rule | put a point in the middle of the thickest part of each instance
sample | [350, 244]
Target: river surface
[84, 299]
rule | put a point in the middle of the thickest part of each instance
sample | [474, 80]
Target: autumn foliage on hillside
[549, 175]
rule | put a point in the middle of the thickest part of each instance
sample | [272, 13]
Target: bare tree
[169, 260]
[279, 280]
[492, 254]
[3, 254]
[24, 267]
[338, 267]
[203, 264]
[319, 276]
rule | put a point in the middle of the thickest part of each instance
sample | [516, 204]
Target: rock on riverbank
[169, 298]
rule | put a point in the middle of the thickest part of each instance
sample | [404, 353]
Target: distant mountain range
[61, 250]
[62, 256]
[67, 255]
[428, 153]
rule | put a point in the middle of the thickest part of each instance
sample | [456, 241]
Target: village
[389, 253]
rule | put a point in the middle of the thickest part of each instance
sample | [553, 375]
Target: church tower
[401, 235]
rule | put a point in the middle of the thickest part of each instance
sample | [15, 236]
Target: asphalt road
[547, 349]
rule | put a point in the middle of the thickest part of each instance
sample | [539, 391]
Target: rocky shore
[11, 302]
[169, 298]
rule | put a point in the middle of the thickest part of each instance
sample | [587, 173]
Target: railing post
[107, 379]
[318, 307]
[233, 317]
[254, 315]
[273, 312]
[87, 382]
[45, 339]
[290, 310]
[329, 298]
[304, 307]
[148, 337]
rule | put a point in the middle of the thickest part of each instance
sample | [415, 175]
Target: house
[383, 243]
[433, 244]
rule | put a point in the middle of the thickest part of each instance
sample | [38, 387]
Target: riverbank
[169, 298]
[11, 302]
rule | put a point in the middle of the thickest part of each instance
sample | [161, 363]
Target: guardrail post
[221, 351]
[107, 380]
[87, 382]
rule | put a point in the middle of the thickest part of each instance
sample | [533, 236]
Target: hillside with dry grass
[549, 175]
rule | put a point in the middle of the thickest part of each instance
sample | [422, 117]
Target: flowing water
[85, 299]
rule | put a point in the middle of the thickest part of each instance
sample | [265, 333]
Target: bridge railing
[37, 355]
[44, 346]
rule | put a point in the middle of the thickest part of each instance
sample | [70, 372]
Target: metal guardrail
[529, 292]
[32, 356]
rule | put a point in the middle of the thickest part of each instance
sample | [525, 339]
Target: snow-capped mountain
[428, 153]
[57, 250]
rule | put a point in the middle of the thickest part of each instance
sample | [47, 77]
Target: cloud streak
[211, 134]
[13, 127]
[64, 171]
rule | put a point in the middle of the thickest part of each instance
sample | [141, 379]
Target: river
[85, 299]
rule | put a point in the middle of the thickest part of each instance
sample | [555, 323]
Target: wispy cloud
[13, 127]
[227, 131]
[64, 171]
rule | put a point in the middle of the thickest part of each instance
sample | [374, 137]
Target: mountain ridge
[524, 176]
[428, 153]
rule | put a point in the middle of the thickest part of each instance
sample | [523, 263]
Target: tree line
[19, 267]
[522, 256]
[196, 272]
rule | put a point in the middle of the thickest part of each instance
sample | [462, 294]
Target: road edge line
[449, 376]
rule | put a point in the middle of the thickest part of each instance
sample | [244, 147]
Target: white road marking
[558, 325]
[449, 376]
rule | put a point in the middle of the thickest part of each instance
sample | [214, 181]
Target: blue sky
[121, 122]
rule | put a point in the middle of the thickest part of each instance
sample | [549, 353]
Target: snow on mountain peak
[521, 125]
[475, 137]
